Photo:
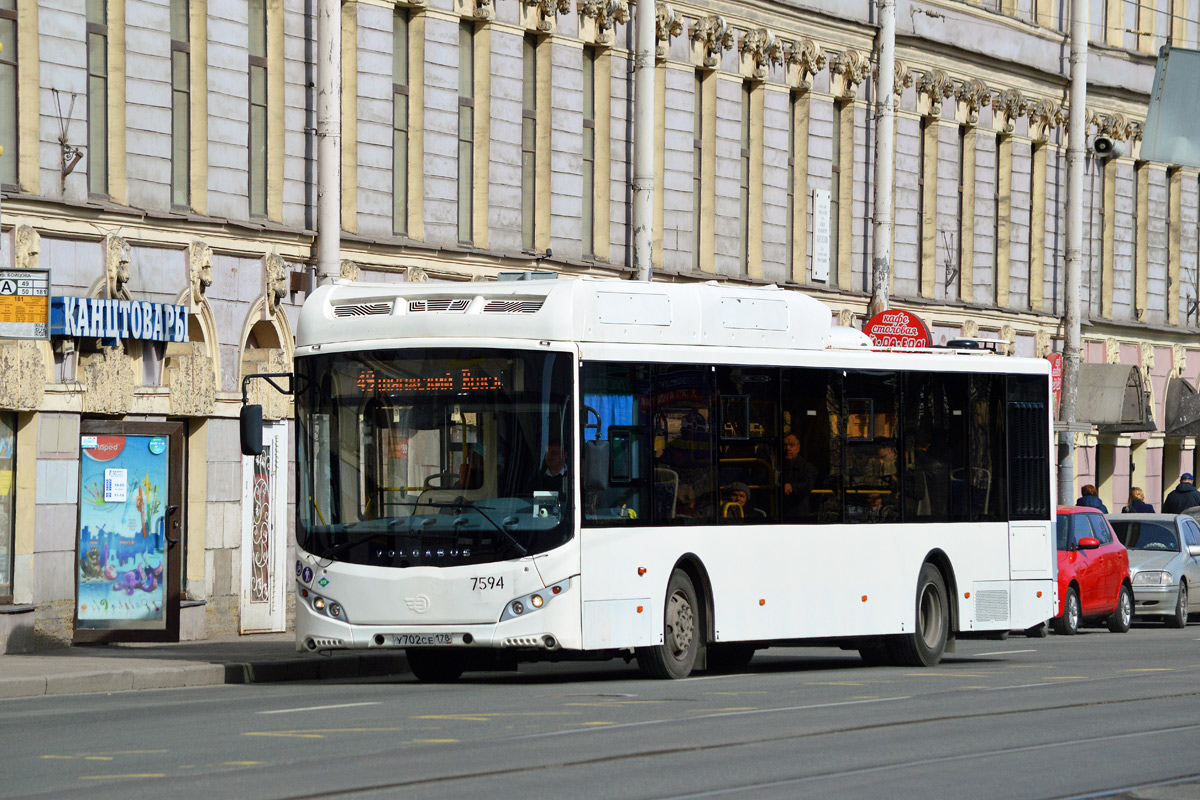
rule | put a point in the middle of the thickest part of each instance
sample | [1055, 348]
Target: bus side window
[872, 446]
[812, 442]
[986, 490]
[935, 447]
[616, 437]
[748, 453]
[684, 451]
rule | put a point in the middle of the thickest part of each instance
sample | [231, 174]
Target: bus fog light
[319, 603]
[335, 610]
[536, 601]
[518, 607]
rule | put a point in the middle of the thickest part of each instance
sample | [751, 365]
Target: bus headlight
[1153, 577]
[328, 608]
[528, 603]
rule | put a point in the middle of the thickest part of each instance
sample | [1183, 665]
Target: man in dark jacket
[1183, 496]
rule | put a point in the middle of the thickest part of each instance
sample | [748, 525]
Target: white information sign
[821, 234]
[115, 486]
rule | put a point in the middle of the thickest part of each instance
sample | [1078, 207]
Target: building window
[466, 130]
[589, 150]
[258, 108]
[181, 104]
[8, 91]
[697, 164]
[400, 121]
[97, 55]
[529, 142]
[835, 184]
[744, 184]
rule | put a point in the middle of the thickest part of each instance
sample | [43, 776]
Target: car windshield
[1142, 535]
[433, 457]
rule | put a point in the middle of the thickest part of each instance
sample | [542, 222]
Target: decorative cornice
[604, 14]
[667, 25]
[802, 60]
[933, 87]
[480, 10]
[1008, 105]
[759, 49]
[1115, 126]
[1044, 116]
[849, 68]
[903, 78]
[547, 12]
[972, 94]
[709, 37]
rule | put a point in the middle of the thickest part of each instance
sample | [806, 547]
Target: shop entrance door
[127, 559]
[264, 529]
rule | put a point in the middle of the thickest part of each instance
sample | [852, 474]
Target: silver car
[1164, 563]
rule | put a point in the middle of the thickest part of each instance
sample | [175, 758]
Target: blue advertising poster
[122, 565]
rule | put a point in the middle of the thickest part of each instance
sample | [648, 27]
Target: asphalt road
[1099, 714]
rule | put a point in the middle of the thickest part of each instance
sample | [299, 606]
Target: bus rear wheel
[926, 644]
[676, 656]
[431, 665]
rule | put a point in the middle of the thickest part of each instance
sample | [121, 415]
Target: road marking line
[1022, 686]
[1005, 652]
[241, 763]
[433, 741]
[1152, 669]
[317, 708]
[718, 710]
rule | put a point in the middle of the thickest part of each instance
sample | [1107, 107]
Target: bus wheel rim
[679, 625]
[931, 616]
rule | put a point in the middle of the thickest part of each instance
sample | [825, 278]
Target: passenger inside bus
[738, 506]
[798, 478]
[553, 474]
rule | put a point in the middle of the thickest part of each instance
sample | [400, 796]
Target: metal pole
[329, 140]
[643, 139]
[1076, 133]
[885, 156]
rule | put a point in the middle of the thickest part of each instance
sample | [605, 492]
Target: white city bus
[683, 473]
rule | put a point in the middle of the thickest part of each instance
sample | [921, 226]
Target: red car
[1093, 572]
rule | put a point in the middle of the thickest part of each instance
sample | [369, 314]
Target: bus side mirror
[252, 430]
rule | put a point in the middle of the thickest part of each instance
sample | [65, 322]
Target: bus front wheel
[676, 656]
[926, 644]
[431, 665]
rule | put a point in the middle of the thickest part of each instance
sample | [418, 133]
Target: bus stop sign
[896, 328]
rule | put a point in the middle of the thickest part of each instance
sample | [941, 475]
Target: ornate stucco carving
[116, 264]
[933, 87]
[1045, 115]
[667, 25]
[597, 18]
[971, 95]
[545, 13]
[1112, 351]
[109, 376]
[22, 375]
[1115, 126]
[710, 36]
[192, 381]
[847, 70]
[416, 275]
[277, 276]
[845, 317]
[802, 60]
[1008, 335]
[200, 268]
[903, 78]
[1007, 106]
[274, 404]
[970, 329]
[1178, 361]
[1043, 344]
[28, 246]
[481, 10]
[1147, 354]
[350, 270]
[759, 50]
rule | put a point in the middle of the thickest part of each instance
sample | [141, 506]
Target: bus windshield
[436, 457]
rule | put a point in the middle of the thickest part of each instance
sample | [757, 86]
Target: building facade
[161, 154]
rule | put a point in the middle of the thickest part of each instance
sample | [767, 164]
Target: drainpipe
[1076, 133]
[885, 156]
[329, 140]
[643, 139]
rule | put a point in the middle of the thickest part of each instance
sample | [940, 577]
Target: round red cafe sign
[896, 328]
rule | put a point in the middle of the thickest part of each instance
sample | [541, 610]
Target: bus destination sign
[896, 328]
[25, 304]
[456, 381]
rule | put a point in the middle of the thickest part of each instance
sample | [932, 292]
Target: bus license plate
[422, 639]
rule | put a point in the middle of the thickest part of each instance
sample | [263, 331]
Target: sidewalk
[263, 658]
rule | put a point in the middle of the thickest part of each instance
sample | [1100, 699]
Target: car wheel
[1120, 619]
[431, 665]
[1038, 631]
[1068, 623]
[925, 645]
[728, 657]
[1180, 617]
[676, 656]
